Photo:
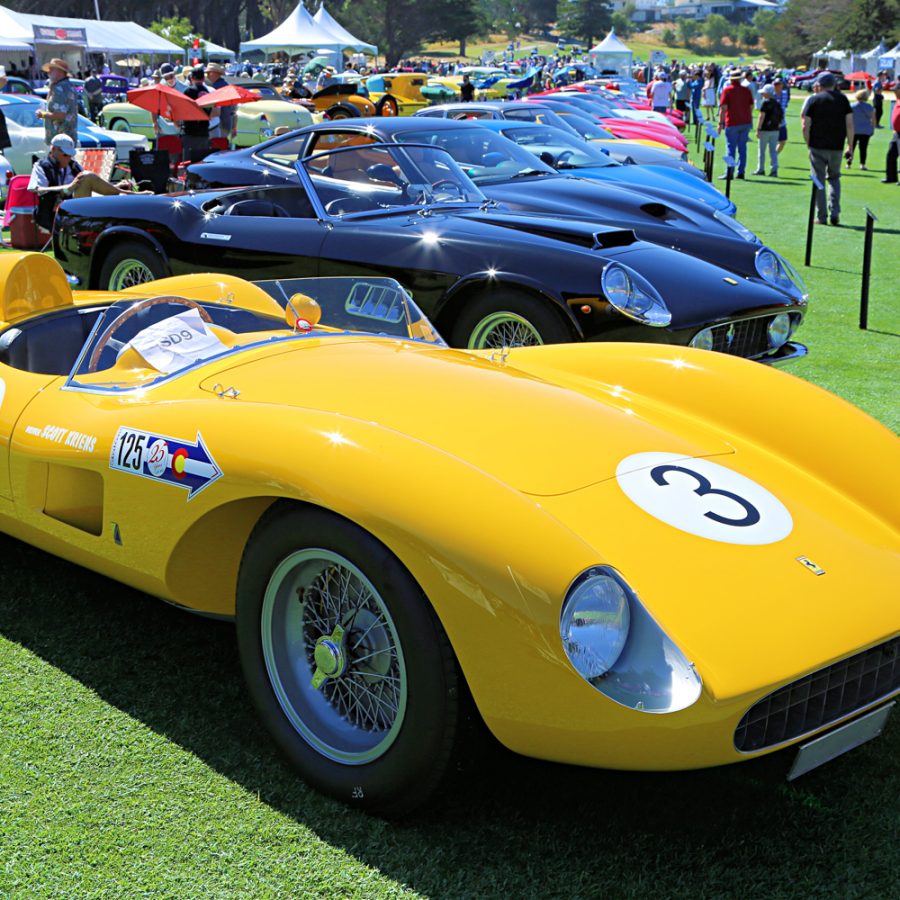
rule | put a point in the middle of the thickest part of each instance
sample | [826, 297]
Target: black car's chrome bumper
[785, 354]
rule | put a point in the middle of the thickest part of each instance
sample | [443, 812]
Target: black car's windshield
[137, 343]
[558, 148]
[485, 156]
[369, 178]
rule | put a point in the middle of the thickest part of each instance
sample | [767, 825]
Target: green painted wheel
[128, 273]
[119, 125]
[503, 329]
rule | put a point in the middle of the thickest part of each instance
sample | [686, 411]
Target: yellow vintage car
[622, 555]
[256, 122]
[490, 82]
[404, 87]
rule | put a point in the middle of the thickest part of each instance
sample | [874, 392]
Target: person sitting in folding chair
[58, 175]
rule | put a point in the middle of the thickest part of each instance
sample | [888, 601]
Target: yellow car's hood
[533, 435]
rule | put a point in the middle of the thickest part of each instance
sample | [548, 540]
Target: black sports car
[484, 277]
[509, 174]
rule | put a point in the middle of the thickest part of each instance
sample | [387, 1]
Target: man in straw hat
[221, 123]
[61, 114]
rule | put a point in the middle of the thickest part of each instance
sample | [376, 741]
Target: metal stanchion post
[729, 174]
[816, 186]
[867, 270]
[710, 159]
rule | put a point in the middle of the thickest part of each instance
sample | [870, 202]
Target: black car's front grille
[820, 698]
[746, 337]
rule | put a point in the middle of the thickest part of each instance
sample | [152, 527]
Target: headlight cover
[617, 647]
[777, 270]
[739, 229]
[779, 330]
[633, 296]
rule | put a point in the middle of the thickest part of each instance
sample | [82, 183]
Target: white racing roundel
[703, 498]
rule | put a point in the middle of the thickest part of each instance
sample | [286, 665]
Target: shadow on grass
[879, 331]
[513, 827]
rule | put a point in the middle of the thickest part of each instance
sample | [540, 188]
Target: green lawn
[131, 765]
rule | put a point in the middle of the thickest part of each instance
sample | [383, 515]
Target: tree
[276, 11]
[688, 29]
[716, 28]
[747, 35]
[803, 28]
[176, 29]
[669, 37]
[868, 22]
[583, 19]
[459, 21]
[622, 24]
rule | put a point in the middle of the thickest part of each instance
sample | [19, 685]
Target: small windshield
[558, 148]
[485, 156]
[383, 178]
[24, 114]
[141, 342]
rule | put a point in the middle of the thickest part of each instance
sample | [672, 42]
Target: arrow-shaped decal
[186, 464]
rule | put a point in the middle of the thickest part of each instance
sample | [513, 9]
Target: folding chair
[151, 167]
[99, 160]
[24, 233]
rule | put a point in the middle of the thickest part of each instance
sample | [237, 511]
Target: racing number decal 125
[130, 450]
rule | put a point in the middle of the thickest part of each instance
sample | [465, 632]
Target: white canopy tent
[349, 42]
[611, 55]
[99, 37]
[297, 33]
[870, 59]
[214, 51]
[892, 57]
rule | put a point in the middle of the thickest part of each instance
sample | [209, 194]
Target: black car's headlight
[738, 228]
[617, 647]
[777, 270]
[633, 296]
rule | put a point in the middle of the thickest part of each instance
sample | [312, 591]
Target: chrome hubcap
[128, 273]
[333, 656]
[504, 329]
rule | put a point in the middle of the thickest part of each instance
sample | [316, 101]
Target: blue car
[574, 156]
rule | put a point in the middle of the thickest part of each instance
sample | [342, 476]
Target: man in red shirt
[736, 118]
[890, 161]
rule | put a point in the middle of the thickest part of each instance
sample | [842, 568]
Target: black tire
[282, 588]
[387, 102]
[506, 317]
[342, 111]
[145, 265]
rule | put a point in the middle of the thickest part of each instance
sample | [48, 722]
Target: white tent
[214, 51]
[325, 19]
[611, 55]
[892, 57]
[872, 56]
[298, 32]
[99, 36]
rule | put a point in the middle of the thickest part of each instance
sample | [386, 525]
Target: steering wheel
[563, 157]
[133, 311]
[449, 181]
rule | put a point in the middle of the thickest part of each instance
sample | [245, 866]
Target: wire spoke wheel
[504, 329]
[333, 656]
[128, 273]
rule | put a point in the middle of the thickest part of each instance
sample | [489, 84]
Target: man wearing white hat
[61, 114]
[58, 176]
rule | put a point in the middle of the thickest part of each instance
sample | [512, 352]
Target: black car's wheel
[345, 661]
[130, 263]
[342, 111]
[387, 106]
[508, 318]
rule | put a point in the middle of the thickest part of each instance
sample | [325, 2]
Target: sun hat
[166, 69]
[56, 64]
[736, 73]
[767, 89]
[64, 143]
[215, 67]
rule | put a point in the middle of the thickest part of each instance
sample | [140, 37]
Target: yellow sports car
[620, 555]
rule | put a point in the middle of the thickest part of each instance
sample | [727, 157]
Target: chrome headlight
[594, 622]
[633, 296]
[703, 340]
[777, 270]
[739, 229]
[779, 330]
[617, 647]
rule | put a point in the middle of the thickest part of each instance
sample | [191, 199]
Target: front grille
[747, 337]
[820, 698]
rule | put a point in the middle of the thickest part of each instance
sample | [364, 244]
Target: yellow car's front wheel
[345, 660]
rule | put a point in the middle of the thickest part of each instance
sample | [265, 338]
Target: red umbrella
[230, 95]
[859, 76]
[164, 101]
